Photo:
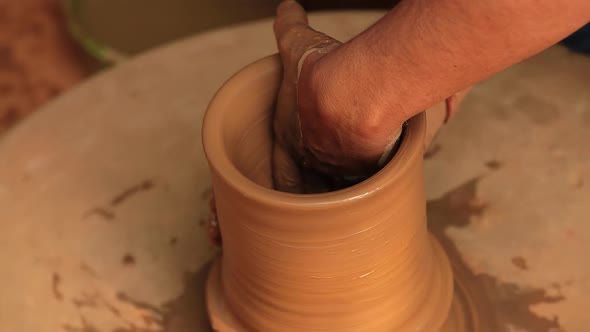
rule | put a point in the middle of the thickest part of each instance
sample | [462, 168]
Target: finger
[285, 172]
[290, 14]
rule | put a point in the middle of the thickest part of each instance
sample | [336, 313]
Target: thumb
[289, 14]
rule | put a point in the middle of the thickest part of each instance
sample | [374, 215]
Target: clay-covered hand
[297, 166]
[297, 42]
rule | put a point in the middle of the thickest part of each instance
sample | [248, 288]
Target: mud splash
[498, 305]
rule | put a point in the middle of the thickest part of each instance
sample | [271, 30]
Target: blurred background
[48, 46]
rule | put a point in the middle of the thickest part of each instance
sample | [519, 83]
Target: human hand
[296, 168]
[298, 45]
[319, 143]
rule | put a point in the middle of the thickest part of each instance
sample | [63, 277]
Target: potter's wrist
[341, 130]
[322, 114]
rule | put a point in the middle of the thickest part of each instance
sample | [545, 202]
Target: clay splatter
[139, 305]
[186, 313]
[494, 165]
[173, 241]
[112, 309]
[129, 192]
[500, 306]
[87, 301]
[106, 213]
[100, 212]
[55, 283]
[538, 111]
[128, 260]
[84, 267]
[520, 263]
[85, 327]
[133, 329]
[432, 151]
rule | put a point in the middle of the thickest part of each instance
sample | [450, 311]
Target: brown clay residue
[128, 260]
[55, 285]
[139, 304]
[173, 241]
[520, 262]
[150, 320]
[133, 329]
[84, 327]
[87, 300]
[498, 304]
[432, 151]
[186, 313]
[514, 311]
[129, 192]
[95, 301]
[90, 271]
[493, 164]
[538, 111]
[100, 212]
[113, 310]
[107, 213]
[455, 208]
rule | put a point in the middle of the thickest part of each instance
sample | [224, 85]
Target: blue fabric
[579, 41]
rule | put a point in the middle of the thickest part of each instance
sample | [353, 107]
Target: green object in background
[102, 53]
[113, 30]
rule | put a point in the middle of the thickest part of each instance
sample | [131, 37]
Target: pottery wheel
[102, 193]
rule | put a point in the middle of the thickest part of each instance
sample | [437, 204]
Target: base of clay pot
[461, 317]
[220, 316]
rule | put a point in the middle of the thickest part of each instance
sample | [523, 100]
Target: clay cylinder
[358, 259]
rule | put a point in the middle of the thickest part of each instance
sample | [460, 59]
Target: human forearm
[424, 51]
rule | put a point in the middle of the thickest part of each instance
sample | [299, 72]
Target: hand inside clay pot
[342, 106]
[323, 143]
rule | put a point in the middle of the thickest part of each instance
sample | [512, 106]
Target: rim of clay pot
[214, 146]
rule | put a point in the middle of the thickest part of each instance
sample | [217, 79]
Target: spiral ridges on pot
[376, 270]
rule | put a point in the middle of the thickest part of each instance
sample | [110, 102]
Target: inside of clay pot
[247, 131]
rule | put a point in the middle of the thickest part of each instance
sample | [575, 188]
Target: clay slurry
[497, 304]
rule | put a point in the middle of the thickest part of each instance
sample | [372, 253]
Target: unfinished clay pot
[358, 259]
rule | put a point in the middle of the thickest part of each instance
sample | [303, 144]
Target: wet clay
[358, 259]
[491, 305]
